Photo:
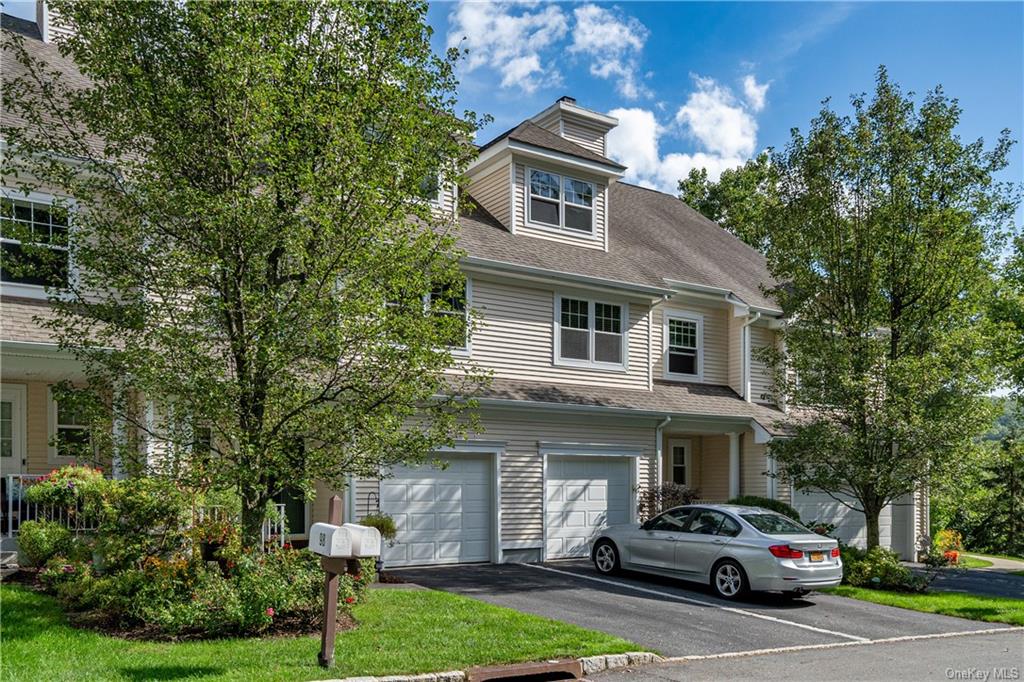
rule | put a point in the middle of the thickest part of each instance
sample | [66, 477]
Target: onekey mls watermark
[983, 674]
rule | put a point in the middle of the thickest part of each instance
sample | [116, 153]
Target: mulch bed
[390, 578]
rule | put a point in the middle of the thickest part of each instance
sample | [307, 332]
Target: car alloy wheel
[728, 580]
[605, 558]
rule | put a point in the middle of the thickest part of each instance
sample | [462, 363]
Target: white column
[734, 465]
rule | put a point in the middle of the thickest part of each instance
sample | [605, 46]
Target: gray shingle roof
[530, 133]
[652, 237]
[668, 398]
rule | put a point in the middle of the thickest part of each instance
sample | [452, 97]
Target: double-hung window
[561, 202]
[70, 431]
[449, 306]
[590, 332]
[683, 352]
[34, 239]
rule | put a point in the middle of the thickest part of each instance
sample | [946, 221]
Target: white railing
[15, 509]
[274, 530]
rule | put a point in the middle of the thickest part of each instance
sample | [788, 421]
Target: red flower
[359, 576]
[349, 600]
[270, 611]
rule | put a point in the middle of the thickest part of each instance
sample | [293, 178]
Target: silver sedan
[734, 549]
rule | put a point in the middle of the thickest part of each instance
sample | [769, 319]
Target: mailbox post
[340, 548]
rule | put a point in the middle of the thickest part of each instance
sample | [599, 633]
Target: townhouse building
[621, 328]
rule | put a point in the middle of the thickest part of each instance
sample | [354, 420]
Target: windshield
[774, 524]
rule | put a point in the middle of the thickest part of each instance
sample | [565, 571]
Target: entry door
[12, 430]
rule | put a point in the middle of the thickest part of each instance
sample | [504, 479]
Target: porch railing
[15, 509]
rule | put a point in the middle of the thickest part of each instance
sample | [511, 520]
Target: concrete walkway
[998, 565]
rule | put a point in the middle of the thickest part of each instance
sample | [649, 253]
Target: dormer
[548, 177]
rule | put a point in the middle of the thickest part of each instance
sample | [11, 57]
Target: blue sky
[710, 84]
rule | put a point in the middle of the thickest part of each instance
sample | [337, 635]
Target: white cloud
[723, 128]
[501, 36]
[613, 42]
[714, 117]
[755, 92]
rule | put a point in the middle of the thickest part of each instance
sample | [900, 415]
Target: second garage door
[582, 495]
[443, 516]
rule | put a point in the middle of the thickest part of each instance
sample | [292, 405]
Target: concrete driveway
[676, 618]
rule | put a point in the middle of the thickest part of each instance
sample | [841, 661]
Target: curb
[590, 665]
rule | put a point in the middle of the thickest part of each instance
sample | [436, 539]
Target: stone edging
[590, 664]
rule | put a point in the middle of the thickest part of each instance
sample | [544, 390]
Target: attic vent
[567, 99]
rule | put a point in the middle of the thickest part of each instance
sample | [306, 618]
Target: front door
[12, 430]
[702, 540]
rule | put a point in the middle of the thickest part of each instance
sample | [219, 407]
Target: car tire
[606, 557]
[729, 580]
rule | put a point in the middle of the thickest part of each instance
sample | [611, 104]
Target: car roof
[734, 508]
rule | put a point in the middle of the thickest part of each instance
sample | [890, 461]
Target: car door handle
[718, 541]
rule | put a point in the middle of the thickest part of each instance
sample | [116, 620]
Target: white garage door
[584, 494]
[443, 517]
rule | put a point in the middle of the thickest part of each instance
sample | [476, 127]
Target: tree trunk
[871, 519]
[254, 510]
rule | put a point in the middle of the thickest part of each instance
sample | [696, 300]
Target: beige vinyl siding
[753, 464]
[735, 333]
[521, 210]
[514, 336]
[551, 121]
[760, 377]
[522, 467]
[588, 136]
[714, 468]
[716, 338]
[491, 190]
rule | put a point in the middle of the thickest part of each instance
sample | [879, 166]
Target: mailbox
[350, 541]
[365, 540]
[330, 541]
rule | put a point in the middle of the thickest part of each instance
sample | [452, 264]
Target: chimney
[567, 99]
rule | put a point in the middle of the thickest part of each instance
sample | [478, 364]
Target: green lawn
[973, 562]
[400, 631]
[975, 607]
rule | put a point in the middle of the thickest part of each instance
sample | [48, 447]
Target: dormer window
[561, 202]
[430, 189]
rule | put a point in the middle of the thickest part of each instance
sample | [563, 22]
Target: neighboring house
[620, 326]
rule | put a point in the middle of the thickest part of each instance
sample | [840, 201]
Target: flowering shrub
[948, 540]
[65, 486]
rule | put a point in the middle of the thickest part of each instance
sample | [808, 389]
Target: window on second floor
[683, 351]
[34, 242]
[449, 305]
[590, 333]
[561, 202]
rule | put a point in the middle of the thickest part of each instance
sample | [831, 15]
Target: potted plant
[212, 536]
[388, 531]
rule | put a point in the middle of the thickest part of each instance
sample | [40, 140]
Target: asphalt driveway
[983, 581]
[676, 618]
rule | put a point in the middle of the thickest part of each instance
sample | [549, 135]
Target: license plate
[817, 556]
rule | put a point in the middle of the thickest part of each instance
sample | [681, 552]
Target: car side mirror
[646, 525]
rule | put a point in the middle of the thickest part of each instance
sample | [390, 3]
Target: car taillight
[835, 552]
[785, 552]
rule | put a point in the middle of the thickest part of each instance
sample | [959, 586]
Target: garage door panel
[442, 516]
[583, 494]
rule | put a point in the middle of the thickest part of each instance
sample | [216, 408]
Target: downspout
[745, 343]
[658, 447]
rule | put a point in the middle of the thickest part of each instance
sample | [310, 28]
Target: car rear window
[774, 524]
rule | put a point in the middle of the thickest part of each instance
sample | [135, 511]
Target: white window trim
[590, 364]
[687, 459]
[561, 227]
[38, 291]
[691, 316]
[51, 424]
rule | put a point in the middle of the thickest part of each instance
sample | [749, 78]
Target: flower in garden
[270, 611]
[349, 600]
[68, 568]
